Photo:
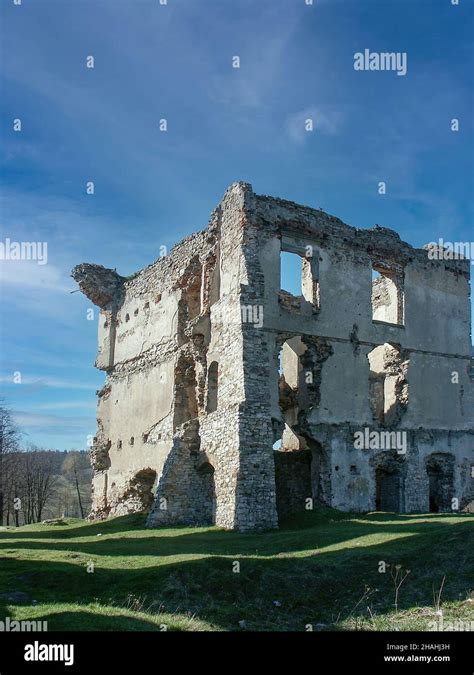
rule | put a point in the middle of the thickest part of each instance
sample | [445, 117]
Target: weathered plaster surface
[196, 397]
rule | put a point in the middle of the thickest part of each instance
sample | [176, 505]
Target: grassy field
[321, 570]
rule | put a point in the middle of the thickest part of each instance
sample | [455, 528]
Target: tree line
[38, 484]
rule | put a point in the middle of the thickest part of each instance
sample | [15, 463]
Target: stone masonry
[230, 400]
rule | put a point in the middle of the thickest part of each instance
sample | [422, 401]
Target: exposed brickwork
[194, 402]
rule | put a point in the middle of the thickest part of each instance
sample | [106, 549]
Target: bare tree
[38, 482]
[35, 482]
[11, 469]
[25, 487]
[9, 443]
[73, 465]
[44, 483]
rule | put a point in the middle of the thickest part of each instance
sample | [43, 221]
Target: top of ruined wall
[378, 242]
[102, 285]
[277, 217]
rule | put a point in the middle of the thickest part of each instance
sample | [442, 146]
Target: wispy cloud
[46, 382]
[261, 46]
[313, 119]
[68, 405]
[72, 426]
[28, 274]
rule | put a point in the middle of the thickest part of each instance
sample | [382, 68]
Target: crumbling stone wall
[194, 399]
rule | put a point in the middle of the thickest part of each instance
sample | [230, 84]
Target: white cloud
[28, 273]
[328, 122]
[76, 426]
[51, 382]
[68, 405]
[262, 50]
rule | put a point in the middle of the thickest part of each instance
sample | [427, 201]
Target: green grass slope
[320, 572]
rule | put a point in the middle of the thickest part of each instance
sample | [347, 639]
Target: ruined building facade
[231, 401]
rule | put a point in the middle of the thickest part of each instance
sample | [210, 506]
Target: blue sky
[153, 188]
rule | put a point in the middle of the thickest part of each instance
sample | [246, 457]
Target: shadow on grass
[307, 533]
[84, 529]
[125, 524]
[91, 621]
[286, 578]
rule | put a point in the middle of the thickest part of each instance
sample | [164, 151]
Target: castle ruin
[231, 401]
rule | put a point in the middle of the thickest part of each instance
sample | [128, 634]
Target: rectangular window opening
[387, 296]
[291, 274]
[299, 278]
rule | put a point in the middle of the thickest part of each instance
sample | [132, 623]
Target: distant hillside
[65, 501]
[44, 484]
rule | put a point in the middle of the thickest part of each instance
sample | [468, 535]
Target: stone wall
[194, 399]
